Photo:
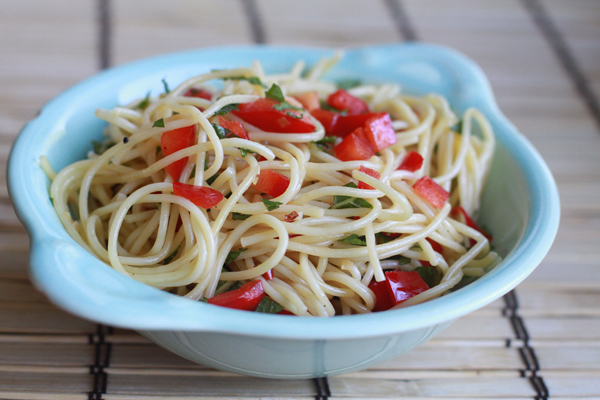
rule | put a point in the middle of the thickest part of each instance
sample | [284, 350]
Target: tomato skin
[413, 161]
[354, 147]
[261, 114]
[382, 295]
[245, 298]
[200, 93]
[173, 141]
[370, 172]
[268, 275]
[436, 247]
[431, 191]
[309, 100]
[327, 118]
[344, 101]
[402, 285]
[346, 124]
[285, 312]
[235, 127]
[202, 196]
[380, 132]
[458, 210]
[272, 183]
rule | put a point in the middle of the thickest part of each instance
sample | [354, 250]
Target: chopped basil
[226, 108]
[430, 275]
[252, 79]
[275, 93]
[167, 90]
[239, 216]
[268, 306]
[341, 202]
[221, 132]
[233, 255]
[144, 103]
[245, 151]
[212, 179]
[382, 238]
[289, 114]
[466, 280]
[355, 240]
[271, 205]
[348, 83]
[101, 147]
[416, 246]
[323, 144]
[171, 256]
[284, 105]
[204, 300]
[458, 127]
[159, 123]
[327, 107]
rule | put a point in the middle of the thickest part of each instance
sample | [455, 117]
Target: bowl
[520, 206]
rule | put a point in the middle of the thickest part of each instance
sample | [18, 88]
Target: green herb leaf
[289, 114]
[275, 93]
[252, 79]
[268, 306]
[144, 103]
[171, 256]
[245, 151]
[271, 205]
[348, 83]
[458, 127]
[466, 280]
[239, 216]
[416, 246]
[284, 105]
[355, 240]
[327, 107]
[341, 202]
[204, 300]
[227, 108]
[233, 255]
[212, 179]
[324, 143]
[382, 238]
[430, 275]
[159, 123]
[167, 90]
[221, 132]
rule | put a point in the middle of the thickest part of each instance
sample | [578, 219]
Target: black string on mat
[104, 33]
[323, 392]
[102, 351]
[527, 353]
[256, 25]
[556, 40]
[401, 20]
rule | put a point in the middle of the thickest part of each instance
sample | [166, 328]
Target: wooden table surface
[543, 59]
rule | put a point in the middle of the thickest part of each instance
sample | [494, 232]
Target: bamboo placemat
[542, 57]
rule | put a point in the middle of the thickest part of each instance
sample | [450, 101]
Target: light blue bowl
[520, 206]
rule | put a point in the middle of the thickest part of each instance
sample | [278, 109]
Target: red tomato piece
[309, 100]
[285, 312]
[431, 191]
[200, 93]
[261, 114]
[268, 275]
[327, 118]
[235, 127]
[402, 285]
[379, 131]
[354, 147]
[346, 124]
[436, 247]
[344, 101]
[245, 298]
[370, 172]
[413, 161]
[458, 210]
[291, 217]
[173, 141]
[272, 183]
[383, 301]
[202, 196]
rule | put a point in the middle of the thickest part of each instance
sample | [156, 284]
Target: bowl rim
[152, 309]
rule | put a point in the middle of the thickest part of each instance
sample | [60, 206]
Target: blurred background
[543, 60]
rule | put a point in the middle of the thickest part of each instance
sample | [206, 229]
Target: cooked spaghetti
[285, 192]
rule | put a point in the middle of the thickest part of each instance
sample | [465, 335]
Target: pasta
[237, 181]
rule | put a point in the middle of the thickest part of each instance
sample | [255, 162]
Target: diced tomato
[202, 196]
[285, 312]
[379, 131]
[268, 275]
[327, 118]
[200, 93]
[344, 101]
[261, 114]
[272, 183]
[413, 161]
[346, 124]
[173, 141]
[436, 247]
[235, 127]
[402, 285]
[355, 147]
[246, 297]
[370, 172]
[392, 235]
[431, 191]
[458, 210]
[383, 301]
[309, 100]
[291, 217]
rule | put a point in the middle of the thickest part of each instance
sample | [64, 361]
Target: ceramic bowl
[520, 206]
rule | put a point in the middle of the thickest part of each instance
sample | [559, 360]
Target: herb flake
[355, 240]
[348, 83]
[142, 105]
[268, 306]
[233, 255]
[271, 205]
[252, 79]
[167, 90]
[275, 93]
[239, 216]
[227, 108]
[341, 202]
[159, 123]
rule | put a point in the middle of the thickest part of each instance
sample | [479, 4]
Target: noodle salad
[285, 193]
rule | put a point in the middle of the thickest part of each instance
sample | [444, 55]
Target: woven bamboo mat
[543, 59]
